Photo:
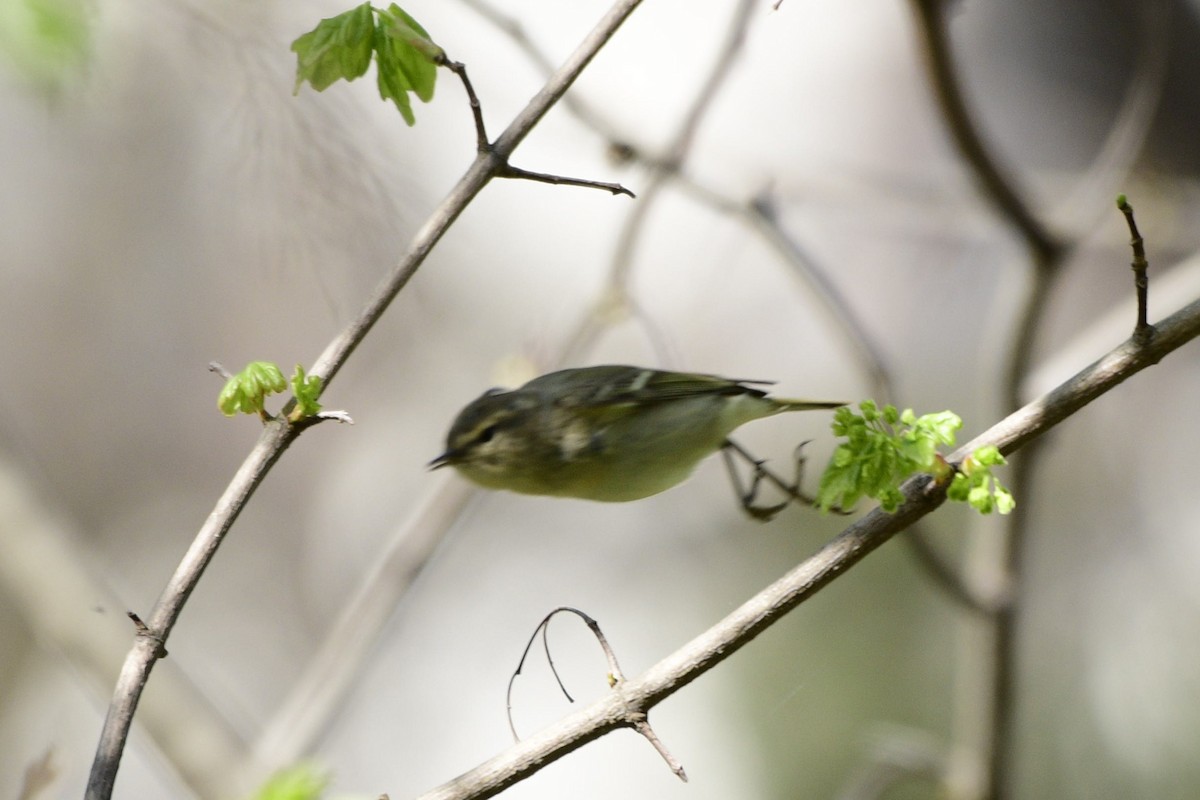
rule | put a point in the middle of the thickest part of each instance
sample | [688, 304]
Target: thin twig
[481, 138]
[483, 146]
[766, 608]
[543, 628]
[1141, 329]
[277, 434]
[635, 716]
[510, 171]
[641, 724]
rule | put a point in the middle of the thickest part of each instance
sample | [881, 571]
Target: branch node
[144, 632]
[505, 170]
[641, 723]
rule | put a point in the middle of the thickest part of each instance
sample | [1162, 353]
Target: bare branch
[996, 186]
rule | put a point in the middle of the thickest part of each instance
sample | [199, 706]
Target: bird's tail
[793, 404]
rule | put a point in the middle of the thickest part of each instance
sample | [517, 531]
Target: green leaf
[338, 48]
[301, 782]
[1005, 503]
[390, 78]
[975, 484]
[247, 391]
[47, 41]
[420, 56]
[406, 60]
[306, 388]
[341, 47]
[884, 446]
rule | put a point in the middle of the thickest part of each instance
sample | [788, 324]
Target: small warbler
[610, 433]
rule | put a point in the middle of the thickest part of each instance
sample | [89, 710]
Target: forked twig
[633, 716]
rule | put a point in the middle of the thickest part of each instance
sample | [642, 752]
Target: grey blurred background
[168, 202]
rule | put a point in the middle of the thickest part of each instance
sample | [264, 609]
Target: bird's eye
[487, 434]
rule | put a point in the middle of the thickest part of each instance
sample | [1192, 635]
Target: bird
[612, 433]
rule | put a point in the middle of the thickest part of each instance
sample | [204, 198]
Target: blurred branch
[511, 27]
[320, 689]
[897, 755]
[615, 303]
[662, 170]
[47, 576]
[770, 605]
[1045, 252]
[970, 595]
[278, 435]
[997, 187]
[1132, 121]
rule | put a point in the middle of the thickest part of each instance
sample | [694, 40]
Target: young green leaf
[341, 48]
[338, 48]
[46, 42]
[405, 59]
[976, 485]
[301, 782]
[306, 388]
[883, 447]
[246, 391]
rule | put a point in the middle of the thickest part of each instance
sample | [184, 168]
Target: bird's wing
[592, 387]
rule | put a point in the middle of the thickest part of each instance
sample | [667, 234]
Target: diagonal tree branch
[278, 434]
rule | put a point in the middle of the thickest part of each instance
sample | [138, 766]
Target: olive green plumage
[610, 433]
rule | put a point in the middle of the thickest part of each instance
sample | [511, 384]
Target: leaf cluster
[341, 48]
[975, 484]
[885, 446]
[247, 391]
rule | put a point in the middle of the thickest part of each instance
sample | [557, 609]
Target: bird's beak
[446, 459]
